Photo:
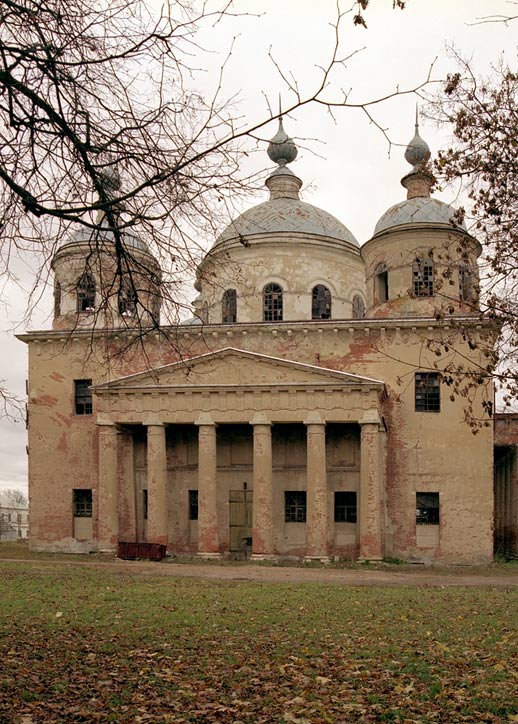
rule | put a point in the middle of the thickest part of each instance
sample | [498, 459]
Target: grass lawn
[84, 645]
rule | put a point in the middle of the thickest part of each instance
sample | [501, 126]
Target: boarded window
[345, 507]
[82, 397]
[381, 288]
[427, 509]
[127, 300]
[422, 275]
[321, 302]
[57, 299]
[358, 307]
[86, 293]
[427, 392]
[82, 502]
[193, 505]
[295, 506]
[272, 303]
[229, 307]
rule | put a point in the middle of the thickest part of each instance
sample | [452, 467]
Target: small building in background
[14, 518]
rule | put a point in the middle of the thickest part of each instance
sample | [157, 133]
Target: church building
[306, 411]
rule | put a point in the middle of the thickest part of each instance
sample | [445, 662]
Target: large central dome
[286, 215]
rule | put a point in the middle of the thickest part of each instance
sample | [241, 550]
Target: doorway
[240, 514]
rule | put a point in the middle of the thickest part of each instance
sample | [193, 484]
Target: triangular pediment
[235, 367]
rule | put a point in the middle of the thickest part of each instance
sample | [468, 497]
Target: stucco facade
[302, 412]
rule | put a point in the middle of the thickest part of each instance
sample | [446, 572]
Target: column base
[107, 549]
[320, 559]
[263, 557]
[373, 559]
[209, 556]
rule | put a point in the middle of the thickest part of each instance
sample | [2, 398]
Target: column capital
[260, 419]
[205, 418]
[314, 418]
[152, 422]
[370, 417]
[103, 421]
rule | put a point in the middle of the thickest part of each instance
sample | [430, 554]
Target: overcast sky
[344, 163]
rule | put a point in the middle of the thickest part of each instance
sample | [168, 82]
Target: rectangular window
[82, 397]
[295, 506]
[82, 503]
[427, 508]
[427, 392]
[193, 505]
[345, 507]
[144, 503]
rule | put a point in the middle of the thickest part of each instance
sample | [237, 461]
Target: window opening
[381, 283]
[465, 285]
[427, 509]
[83, 397]
[272, 303]
[345, 507]
[86, 293]
[144, 503]
[82, 503]
[229, 306]
[57, 299]
[193, 505]
[127, 300]
[321, 302]
[358, 307]
[422, 271]
[427, 392]
[295, 506]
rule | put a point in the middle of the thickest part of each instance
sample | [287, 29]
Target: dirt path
[261, 573]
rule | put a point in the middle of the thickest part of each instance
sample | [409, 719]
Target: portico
[243, 419]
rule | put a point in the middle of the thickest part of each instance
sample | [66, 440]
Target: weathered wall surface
[424, 451]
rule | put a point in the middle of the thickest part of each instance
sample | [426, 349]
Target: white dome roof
[287, 215]
[419, 210]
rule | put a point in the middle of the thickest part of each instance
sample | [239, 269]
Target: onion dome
[419, 207]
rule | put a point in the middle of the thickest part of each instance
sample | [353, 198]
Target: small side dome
[104, 235]
[419, 210]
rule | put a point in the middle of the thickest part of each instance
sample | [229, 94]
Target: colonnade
[318, 526]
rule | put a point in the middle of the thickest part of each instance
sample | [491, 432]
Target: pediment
[232, 367]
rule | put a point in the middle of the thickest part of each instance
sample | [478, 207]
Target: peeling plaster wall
[424, 451]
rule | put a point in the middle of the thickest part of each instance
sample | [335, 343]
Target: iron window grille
[229, 306]
[82, 503]
[272, 303]
[86, 293]
[345, 507]
[427, 392]
[127, 300]
[427, 509]
[423, 277]
[358, 307]
[295, 506]
[321, 302]
[83, 397]
[193, 505]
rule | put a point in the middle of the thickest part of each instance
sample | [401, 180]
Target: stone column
[208, 535]
[262, 529]
[157, 498]
[371, 499]
[317, 525]
[107, 493]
